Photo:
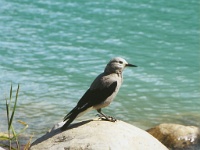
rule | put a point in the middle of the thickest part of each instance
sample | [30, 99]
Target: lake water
[54, 50]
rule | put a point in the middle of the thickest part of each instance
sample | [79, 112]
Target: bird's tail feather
[70, 119]
[64, 127]
[73, 114]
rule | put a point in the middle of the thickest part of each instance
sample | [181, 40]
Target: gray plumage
[101, 92]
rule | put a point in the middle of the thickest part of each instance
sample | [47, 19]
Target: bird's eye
[120, 62]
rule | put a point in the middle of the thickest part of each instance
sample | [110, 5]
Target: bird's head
[117, 65]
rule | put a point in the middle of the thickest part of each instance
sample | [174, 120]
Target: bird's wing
[96, 96]
[91, 98]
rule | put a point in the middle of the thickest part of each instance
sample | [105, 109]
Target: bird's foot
[110, 118]
[106, 118]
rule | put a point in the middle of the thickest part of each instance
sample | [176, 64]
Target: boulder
[177, 137]
[98, 135]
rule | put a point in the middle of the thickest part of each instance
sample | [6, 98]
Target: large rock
[177, 137]
[98, 135]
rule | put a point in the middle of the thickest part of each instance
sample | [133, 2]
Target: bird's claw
[107, 118]
[112, 119]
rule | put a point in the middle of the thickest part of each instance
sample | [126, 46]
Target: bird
[101, 92]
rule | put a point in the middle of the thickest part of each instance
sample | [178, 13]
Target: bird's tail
[73, 114]
[64, 127]
[70, 117]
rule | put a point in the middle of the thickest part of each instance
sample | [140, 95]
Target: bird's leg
[108, 118]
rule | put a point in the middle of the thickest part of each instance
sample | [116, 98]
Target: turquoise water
[56, 49]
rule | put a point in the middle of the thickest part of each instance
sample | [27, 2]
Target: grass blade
[11, 119]
[4, 137]
[25, 127]
[15, 137]
[13, 112]
[28, 144]
[8, 114]
[11, 92]
[8, 102]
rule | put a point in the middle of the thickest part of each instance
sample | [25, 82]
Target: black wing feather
[97, 96]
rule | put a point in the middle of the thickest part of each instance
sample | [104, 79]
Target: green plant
[12, 134]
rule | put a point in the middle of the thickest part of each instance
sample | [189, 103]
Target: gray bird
[101, 92]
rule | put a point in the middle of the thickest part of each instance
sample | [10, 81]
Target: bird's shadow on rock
[76, 125]
[58, 131]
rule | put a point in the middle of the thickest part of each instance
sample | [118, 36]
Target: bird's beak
[130, 65]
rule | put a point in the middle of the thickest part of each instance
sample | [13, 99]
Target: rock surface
[177, 137]
[98, 135]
